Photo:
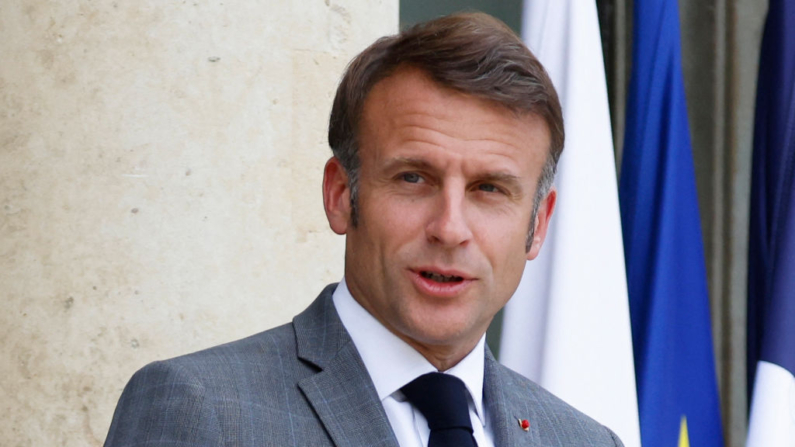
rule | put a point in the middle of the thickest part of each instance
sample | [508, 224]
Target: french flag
[771, 251]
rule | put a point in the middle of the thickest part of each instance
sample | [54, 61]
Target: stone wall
[160, 188]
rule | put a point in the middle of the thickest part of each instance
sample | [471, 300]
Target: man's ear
[336, 196]
[544, 214]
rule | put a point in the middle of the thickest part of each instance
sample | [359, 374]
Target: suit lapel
[342, 393]
[505, 409]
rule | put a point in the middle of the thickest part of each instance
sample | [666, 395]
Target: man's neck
[442, 357]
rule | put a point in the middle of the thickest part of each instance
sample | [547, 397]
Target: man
[445, 141]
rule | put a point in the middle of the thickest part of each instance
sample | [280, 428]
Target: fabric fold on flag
[771, 244]
[666, 272]
[567, 326]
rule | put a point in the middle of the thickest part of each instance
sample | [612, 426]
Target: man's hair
[472, 53]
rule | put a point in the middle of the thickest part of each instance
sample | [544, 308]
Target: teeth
[441, 278]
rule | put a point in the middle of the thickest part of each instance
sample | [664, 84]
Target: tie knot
[442, 399]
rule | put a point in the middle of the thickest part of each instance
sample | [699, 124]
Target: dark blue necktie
[442, 399]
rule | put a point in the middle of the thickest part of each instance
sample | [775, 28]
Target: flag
[567, 326]
[666, 273]
[771, 245]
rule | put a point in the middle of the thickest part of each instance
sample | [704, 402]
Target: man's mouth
[441, 282]
[440, 278]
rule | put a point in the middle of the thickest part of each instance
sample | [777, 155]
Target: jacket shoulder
[153, 403]
[205, 397]
[241, 355]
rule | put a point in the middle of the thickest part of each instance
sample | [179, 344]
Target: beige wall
[160, 167]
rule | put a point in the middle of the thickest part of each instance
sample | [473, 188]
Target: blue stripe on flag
[771, 252]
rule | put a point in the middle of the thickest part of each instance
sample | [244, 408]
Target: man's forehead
[411, 86]
[411, 120]
[413, 91]
[410, 94]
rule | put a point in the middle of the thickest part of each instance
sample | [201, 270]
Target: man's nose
[448, 225]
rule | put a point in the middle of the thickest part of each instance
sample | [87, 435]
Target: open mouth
[440, 278]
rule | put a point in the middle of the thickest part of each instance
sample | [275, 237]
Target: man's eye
[487, 187]
[411, 177]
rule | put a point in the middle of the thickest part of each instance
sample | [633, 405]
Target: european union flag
[666, 273]
[771, 244]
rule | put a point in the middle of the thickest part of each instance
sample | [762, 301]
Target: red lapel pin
[524, 423]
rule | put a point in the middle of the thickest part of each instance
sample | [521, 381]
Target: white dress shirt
[392, 363]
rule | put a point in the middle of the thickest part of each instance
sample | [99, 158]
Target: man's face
[447, 183]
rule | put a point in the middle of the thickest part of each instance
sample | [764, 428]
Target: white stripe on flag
[567, 326]
[772, 421]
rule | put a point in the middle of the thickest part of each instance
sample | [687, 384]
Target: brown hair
[473, 53]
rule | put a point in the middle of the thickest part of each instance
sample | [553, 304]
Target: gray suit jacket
[304, 384]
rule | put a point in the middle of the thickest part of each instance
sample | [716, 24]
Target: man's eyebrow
[510, 182]
[501, 177]
[410, 162]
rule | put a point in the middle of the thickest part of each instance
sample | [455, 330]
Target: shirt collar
[392, 363]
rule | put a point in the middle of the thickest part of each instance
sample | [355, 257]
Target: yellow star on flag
[684, 441]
